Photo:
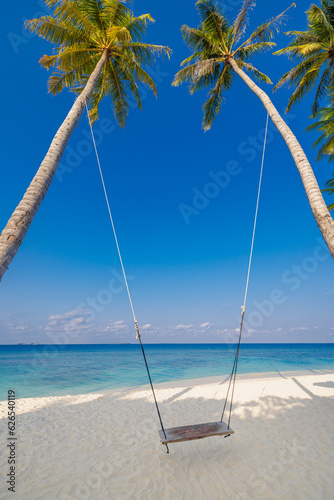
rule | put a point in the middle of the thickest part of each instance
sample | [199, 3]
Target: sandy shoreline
[105, 445]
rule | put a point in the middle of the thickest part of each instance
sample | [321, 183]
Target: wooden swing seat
[190, 432]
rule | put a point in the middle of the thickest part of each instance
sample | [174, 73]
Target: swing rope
[232, 378]
[233, 375]
[138, 336]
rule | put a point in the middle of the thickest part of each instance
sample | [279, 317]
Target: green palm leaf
[117, 90]
[55, 32]
[313, 50]
[212, 45]
[212, 106]
[82, 30]
[324, 124]
[214, 24]
[240, 24]
[329, 190]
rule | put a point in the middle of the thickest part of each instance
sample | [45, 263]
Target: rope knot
[137, 329]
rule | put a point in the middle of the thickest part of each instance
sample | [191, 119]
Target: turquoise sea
[46, 370]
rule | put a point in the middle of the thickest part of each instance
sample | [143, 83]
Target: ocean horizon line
[164, 343]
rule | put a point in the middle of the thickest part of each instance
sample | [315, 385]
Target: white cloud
[72, 323]
[65, 316]
[116, 327]
[184, 327]
[149, 328]
[205, 325]
[52, 323]
[12, 327]
[328, 293]
[299, 328]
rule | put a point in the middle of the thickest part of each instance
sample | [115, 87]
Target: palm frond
[115, 13]
[146, 53]
[214, 24]
[61, 79]
[198, 40]
[322, 88]
[119, 33]
[306, 85]
[329, 189]
[209, 79]
[206, 67]
[294, 76]
[325, 125]
[136, 72]
[212, 106]
[98, 94]
[304, 76]
[260, 77]
[326, 151]
[57, 33]
[117, 91]
[301, 40]
[93, 9]
[311, 49]
[186, 74]
[137, 26]
[321, 25]
[69, 57]
[266, 31]
[240, 24]
[246, 51]
[73, 13]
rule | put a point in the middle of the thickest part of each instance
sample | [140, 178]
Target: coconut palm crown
[82, 30]
[313, 50]
[98, 52]
[218, 53]
[214, 43]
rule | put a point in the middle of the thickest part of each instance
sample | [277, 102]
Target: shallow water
[46, 370]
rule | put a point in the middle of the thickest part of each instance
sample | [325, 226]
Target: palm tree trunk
[315, 198]
[18, 225]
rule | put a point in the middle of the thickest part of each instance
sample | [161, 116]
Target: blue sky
[186, 272]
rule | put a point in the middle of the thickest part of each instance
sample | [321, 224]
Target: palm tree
[99, 52]
[313, 49]
[218, 55]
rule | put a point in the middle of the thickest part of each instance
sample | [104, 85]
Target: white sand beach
[106, 445]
